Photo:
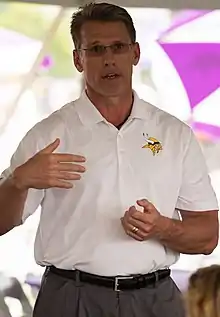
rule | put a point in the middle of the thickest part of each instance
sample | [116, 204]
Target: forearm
[12, 202]
[187, 236]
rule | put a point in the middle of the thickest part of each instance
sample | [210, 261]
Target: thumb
[51, 147]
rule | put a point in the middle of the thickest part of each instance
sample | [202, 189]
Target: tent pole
[30, 77]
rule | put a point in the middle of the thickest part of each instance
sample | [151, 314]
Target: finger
[66, 176]
[131, 211]
[139, 208]
[62, 157]
[129, 229]
[148, 206]
[60, 184]
[123, 222]
[70, 167]
[138, 224]
[51, 147]
[138, 215]
[136, 235]
[139, 233]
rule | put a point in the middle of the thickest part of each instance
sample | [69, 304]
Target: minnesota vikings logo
[153, 144]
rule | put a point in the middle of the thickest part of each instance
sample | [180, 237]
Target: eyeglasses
[100, 50]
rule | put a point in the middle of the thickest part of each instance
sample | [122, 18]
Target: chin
[110, 90]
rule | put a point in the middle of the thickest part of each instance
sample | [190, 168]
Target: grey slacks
[62, 297]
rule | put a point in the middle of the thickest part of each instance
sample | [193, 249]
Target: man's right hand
[47, 169]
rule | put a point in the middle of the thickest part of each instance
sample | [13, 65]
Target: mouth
[111, 76]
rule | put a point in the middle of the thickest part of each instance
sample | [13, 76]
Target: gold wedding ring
[134, 229]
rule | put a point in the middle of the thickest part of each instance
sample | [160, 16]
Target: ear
[77, 61]
[137, 54]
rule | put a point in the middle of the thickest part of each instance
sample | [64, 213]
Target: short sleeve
[27, 148]
[196, 192]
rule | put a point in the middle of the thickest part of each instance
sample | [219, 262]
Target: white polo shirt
[153, 156]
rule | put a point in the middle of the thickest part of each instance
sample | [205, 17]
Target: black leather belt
[118, 283]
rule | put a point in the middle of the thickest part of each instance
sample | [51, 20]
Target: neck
[114, 109]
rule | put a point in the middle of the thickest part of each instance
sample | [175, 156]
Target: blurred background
[179, 72]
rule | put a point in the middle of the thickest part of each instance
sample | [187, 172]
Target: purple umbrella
[198, 66]
[206, 131]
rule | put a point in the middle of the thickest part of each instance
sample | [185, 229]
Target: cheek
[92, 73]
[126, 67]
[91, 68]
[125, 63]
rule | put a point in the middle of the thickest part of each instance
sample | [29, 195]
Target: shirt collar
[140, 108]
[89, 115]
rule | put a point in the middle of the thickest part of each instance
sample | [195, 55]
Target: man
[112, 174]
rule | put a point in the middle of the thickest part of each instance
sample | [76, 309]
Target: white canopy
[173, 4]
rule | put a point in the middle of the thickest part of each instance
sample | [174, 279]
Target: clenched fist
[142, 225]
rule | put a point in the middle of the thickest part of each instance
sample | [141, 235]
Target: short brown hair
[100, 12]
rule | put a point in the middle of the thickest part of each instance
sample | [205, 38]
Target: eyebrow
[94, 43]
[99, 43]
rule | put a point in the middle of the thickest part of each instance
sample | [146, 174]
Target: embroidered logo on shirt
[153, 144]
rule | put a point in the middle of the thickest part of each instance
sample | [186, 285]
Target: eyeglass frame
[105, 47]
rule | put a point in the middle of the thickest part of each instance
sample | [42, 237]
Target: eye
[119, 47]
[97, 49]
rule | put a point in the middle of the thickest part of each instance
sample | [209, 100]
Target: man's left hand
[142, 225]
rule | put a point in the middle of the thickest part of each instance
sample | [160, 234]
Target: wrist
[17, 181]
[163, 225]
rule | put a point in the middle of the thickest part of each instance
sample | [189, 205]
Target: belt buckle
[117, 279]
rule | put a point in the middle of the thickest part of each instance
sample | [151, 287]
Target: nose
[109, 57]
